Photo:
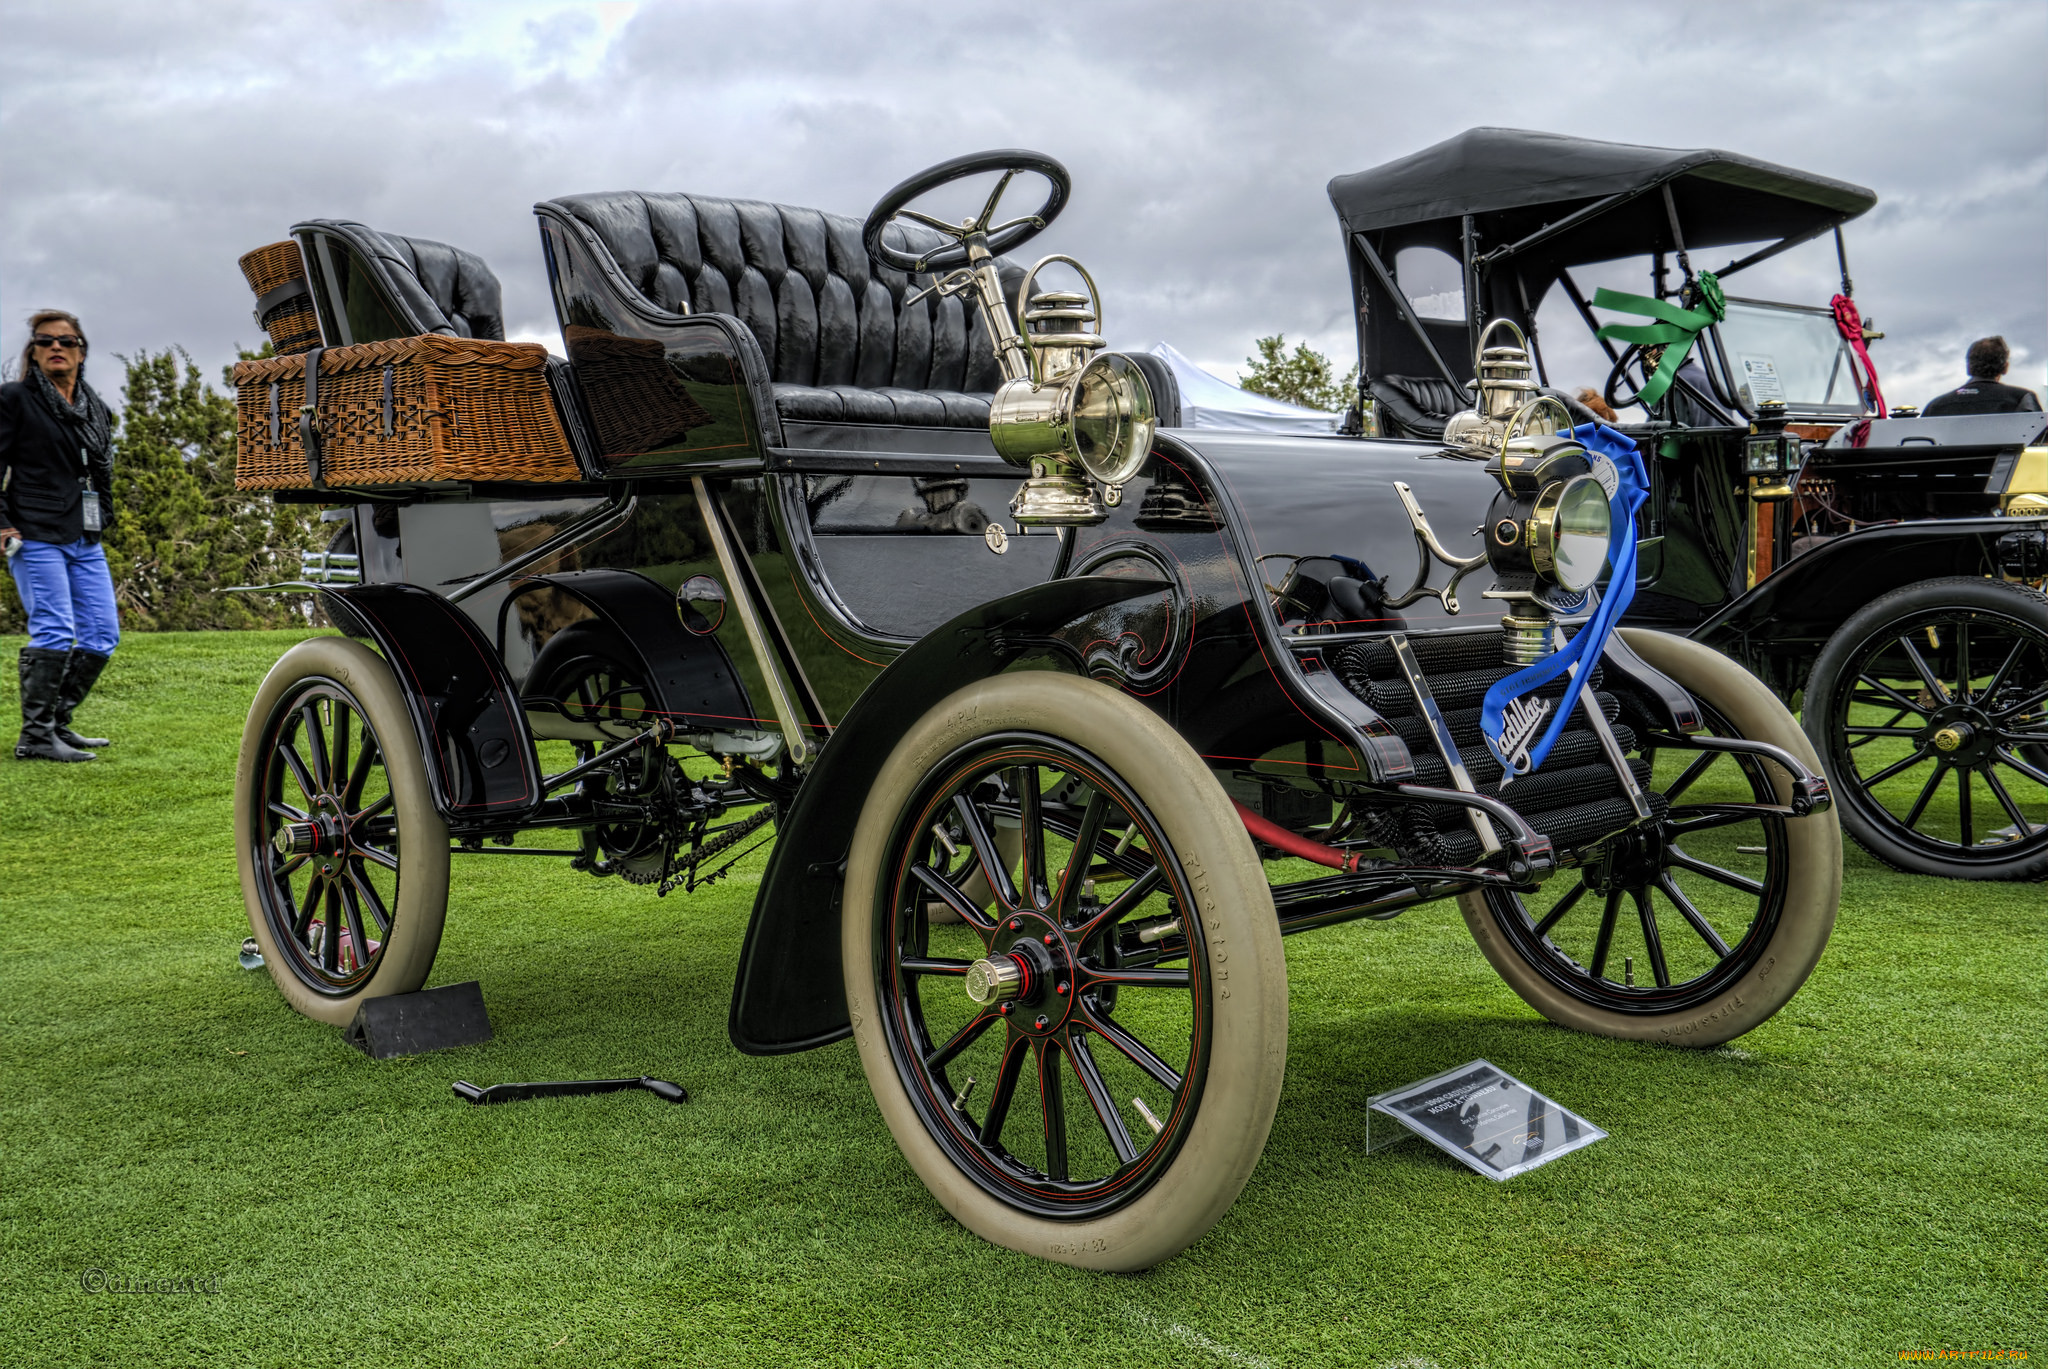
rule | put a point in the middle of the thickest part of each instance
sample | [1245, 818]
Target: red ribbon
[1850, 324]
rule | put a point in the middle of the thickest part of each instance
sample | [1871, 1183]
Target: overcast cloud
[145, 146]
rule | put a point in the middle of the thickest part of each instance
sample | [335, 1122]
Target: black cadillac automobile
[854, 535]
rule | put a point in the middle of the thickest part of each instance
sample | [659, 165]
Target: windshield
[1792, 353]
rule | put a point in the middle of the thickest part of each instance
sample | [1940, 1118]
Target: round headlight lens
[1113, 419]
[1578, 533]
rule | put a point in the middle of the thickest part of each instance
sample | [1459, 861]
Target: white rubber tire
[1810, 901]
[422, 903]
[1248, 1051]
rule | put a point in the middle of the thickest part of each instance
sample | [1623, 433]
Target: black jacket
[1976, 396]
[42, 472]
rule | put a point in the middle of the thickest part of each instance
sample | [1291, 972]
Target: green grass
[1860, 1176]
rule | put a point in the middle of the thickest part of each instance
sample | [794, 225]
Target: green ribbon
[1675, 332]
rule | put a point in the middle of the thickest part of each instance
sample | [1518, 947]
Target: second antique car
[1061, 715]
[1880, 570]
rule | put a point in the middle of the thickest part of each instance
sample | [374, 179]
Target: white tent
[1206, 402]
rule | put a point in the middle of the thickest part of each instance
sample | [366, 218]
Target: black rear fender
[465, 711]
[688, 676]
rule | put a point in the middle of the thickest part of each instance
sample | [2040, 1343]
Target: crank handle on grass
[566, 1088]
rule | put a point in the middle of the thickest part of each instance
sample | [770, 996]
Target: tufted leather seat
[433, 287]
[1419, 404]
[840, 344]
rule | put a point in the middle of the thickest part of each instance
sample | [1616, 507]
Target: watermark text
[97, 1280]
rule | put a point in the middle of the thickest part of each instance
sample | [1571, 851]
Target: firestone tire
[1813, 888]
[1242, 976]
[339, 667]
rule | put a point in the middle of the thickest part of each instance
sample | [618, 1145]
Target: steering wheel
[1619, 376]
[999, 237]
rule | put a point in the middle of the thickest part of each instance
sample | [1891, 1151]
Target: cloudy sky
[146, 145]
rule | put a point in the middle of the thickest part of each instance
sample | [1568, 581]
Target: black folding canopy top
[1521, 181]
[1535, 204]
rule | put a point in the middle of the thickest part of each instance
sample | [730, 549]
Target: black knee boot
[42, 670]
[81, 673]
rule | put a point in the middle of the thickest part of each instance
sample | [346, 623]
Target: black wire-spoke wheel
[1700, 922]
[1930, 709]
[1083, 1062]
[344, 860]
[1033, 994]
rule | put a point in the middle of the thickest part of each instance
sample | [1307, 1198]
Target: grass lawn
[1862, 1175]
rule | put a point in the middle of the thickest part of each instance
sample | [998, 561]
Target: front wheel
[344, 859]
[1087, 1070]
[1930, 709]
[1697, 926]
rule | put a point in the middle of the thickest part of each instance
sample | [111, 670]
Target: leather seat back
[825, 314]
[1419, 405]
[422, 285]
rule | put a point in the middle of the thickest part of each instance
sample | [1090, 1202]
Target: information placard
[1761, 382]
[1484, 1117]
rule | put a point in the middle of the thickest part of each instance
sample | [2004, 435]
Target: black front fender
[789, 995]
[1778, 628]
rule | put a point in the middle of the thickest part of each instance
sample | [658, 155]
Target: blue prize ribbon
[1631, 488]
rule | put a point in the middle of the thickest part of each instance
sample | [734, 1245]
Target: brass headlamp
[1546, 529]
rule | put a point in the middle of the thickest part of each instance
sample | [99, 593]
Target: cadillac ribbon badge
[1520, 722]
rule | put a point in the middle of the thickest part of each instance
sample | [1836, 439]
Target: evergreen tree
[1304, 377]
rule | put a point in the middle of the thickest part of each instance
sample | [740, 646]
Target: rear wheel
[1087, 1070]
[344, 859]
[1696, 927]
[587, 669]
[1930, 710]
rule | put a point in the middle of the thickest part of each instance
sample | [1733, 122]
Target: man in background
[1981, 393]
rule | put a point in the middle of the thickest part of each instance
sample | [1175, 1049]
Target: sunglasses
[59, 340]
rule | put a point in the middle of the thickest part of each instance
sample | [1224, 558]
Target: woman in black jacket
[56, 495]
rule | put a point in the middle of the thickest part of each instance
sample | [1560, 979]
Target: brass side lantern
[1506, 387]
[1078, 417]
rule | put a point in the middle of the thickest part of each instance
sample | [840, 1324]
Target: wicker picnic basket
[409, 411]
[284, 309]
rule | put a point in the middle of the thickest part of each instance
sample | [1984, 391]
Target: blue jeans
[69, 596]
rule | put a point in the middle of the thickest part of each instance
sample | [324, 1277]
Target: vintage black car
[1883, 571]
[1062, 714]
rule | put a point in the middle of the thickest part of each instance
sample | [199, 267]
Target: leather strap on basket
[309, 419]
[283, 294]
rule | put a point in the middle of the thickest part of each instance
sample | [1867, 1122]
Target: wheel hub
[323, 836]
[1028, 975]
[1628, 860]
[1005, 977]
[1960, 734]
